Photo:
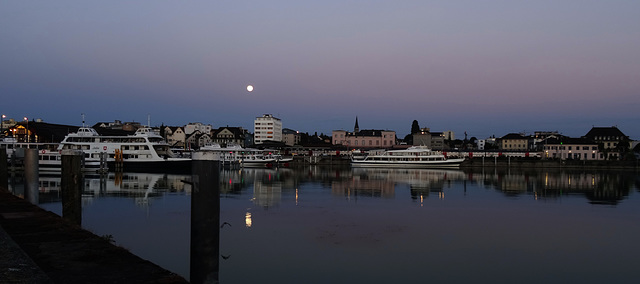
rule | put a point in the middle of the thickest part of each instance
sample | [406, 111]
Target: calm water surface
[318, 225]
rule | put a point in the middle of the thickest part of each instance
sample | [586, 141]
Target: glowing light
[249, 88]
[247, 220]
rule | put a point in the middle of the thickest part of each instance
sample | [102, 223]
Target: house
[290, 137]
[197, 126]
[433, 140]
[229, 135]
[514, 142]
[198, 139]
[610, 139]
[175, 136]
[566, 148]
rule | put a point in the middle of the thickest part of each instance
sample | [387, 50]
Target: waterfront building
[514, 142]
[433, 140]
[267, 128]
[369, 138]
[198, 139]
[197, 126]
[609, 138]
[229, 135]
[5, 124]
[566, 148]
[175, 136]
[290, 137]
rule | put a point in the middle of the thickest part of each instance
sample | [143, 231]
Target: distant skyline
[486, 67]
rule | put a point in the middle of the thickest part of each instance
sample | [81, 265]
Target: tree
[408, 139]
[415, 127]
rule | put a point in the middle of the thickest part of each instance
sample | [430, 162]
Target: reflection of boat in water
[412, 157]
[143, 151]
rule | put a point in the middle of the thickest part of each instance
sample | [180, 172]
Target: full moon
[249, 88]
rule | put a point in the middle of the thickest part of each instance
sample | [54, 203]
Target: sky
[487, 67]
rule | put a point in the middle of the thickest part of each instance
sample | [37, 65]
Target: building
[290, 137]
[514, 142]
[118, 125]
[370, 138]
[610, 139]
[175, 136]
[433, 140]
[229, 136]
[267, 128]
[197, 126]
[565, 148]
[198, 139]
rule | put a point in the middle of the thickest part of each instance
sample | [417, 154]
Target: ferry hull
[452, 163]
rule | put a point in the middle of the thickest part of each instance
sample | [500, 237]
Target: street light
[2, 125]
[27, 120]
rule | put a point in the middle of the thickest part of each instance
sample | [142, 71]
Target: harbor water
[344, 225]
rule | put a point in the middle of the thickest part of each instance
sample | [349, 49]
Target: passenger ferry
[247, 157]
[49, 157]
[144, 151]
[412, 157]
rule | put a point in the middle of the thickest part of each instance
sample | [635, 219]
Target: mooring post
[205, 219]
[72, 185]
[4, 170]
[31, 176]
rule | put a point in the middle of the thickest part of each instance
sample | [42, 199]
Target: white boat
[49, 158]
[247, 157]
[143, 151]
[412, 157]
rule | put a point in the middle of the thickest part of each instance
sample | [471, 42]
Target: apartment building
[267, 128]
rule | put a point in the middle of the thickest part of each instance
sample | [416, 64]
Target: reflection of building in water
[363, 187]
[599, 187]
[267, 194]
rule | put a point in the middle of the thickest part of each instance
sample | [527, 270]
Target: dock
[38, 246]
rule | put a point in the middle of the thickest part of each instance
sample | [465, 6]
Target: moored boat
[247, 157]
[144, 151]
[412, 157]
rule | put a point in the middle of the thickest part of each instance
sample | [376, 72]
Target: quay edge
[65, 252]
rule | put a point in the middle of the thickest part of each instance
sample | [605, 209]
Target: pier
[38, 246]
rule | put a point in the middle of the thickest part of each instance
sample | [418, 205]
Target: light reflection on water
[317, 225]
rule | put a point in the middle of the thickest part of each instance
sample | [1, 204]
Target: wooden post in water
[31, 175]
[205, 219]
[71, 185]
[4, 170]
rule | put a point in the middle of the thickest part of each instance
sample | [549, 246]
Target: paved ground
[37, 246]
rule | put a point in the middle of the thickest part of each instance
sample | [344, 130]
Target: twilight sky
[486, 67]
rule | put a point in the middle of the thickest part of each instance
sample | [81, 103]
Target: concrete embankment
[504, 162]
[38, 246]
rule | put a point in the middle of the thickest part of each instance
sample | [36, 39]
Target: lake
[343, 225]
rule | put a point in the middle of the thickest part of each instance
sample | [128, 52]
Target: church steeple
[356, 128]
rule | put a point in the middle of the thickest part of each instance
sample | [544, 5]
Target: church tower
[356, 128]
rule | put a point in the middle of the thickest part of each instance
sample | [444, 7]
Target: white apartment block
[267, 128]
[197, 126]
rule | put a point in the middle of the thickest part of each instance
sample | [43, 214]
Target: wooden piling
[72, 185]
[205, 220]
[4, 170]
[31, 176]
